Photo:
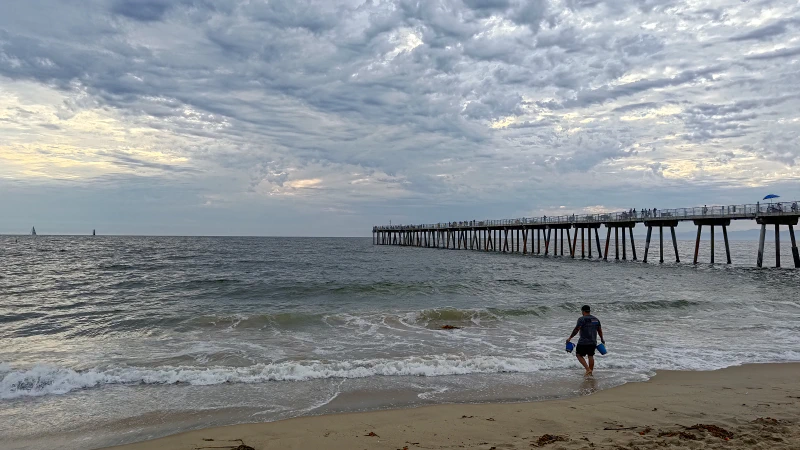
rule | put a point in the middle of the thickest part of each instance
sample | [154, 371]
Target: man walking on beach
[589, 327]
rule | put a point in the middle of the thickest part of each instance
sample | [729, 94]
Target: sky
[324, 118]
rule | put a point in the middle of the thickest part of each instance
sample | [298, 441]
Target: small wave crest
[426, 317]
[49, 380]
[649, 305]
[8, 318]
[453, 315]
[280, 320]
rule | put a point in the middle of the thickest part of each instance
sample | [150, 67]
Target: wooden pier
[545, 235]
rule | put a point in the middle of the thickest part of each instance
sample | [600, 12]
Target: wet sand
[753, 407]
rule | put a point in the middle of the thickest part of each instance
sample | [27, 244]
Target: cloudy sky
[298, 117]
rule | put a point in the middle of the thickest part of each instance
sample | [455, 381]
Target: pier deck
[493, 235]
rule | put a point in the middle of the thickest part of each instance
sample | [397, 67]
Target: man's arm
[574, 332]
[600, 332]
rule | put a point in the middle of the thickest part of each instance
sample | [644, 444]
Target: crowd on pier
[633, 214]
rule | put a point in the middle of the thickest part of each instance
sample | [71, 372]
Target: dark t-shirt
[589, 326]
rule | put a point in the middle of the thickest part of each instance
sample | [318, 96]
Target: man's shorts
[585, 349]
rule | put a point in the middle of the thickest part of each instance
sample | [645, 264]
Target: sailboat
[94, 232]
[33, 231]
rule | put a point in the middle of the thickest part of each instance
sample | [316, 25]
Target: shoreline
[758, 403]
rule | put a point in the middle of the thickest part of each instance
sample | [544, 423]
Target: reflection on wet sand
[589, 385]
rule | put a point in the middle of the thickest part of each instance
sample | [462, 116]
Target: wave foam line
[46, 380]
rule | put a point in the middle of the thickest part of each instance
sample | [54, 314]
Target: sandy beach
[753, 406]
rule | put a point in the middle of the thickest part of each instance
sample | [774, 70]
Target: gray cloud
[607, 93]
[766, 32]
[492, 5]
[636, 106]
[776, 54]
[143, 10]
[336, 102]
[137, 163]
[316, 17]
[531, 13]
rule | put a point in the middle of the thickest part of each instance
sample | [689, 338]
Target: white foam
[44, 380]
[428, 395]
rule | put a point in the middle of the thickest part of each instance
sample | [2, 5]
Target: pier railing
[734, 212]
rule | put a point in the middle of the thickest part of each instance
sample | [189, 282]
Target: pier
[544, 236]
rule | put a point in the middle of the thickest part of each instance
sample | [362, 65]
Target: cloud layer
[360, 111]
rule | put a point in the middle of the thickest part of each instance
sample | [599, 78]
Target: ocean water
[108, 340]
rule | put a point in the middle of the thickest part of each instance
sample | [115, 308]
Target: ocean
[108, 340]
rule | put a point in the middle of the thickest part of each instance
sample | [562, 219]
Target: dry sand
[754, 406]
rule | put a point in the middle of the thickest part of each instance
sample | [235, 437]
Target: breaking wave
[46, 380]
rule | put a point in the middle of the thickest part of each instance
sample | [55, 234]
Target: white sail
[33, 231]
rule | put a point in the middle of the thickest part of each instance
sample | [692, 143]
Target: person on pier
[589, 327]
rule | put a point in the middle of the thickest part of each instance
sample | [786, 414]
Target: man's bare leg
[590, 369]
[583, 363]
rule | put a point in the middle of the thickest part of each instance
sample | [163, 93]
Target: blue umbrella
[770, 197]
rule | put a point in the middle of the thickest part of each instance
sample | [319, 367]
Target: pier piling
[597, 240]
[697, 243]
[712, 223]
[777, 221]
[583, 245]
[624, 249]
[727, 246]
[675, 244]
[795, 253]
[569, 242]
[574, 242]
[761, 245]
[547, 242]
[538, 241]
[661, 224]
[524, 241]
[712, 244]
